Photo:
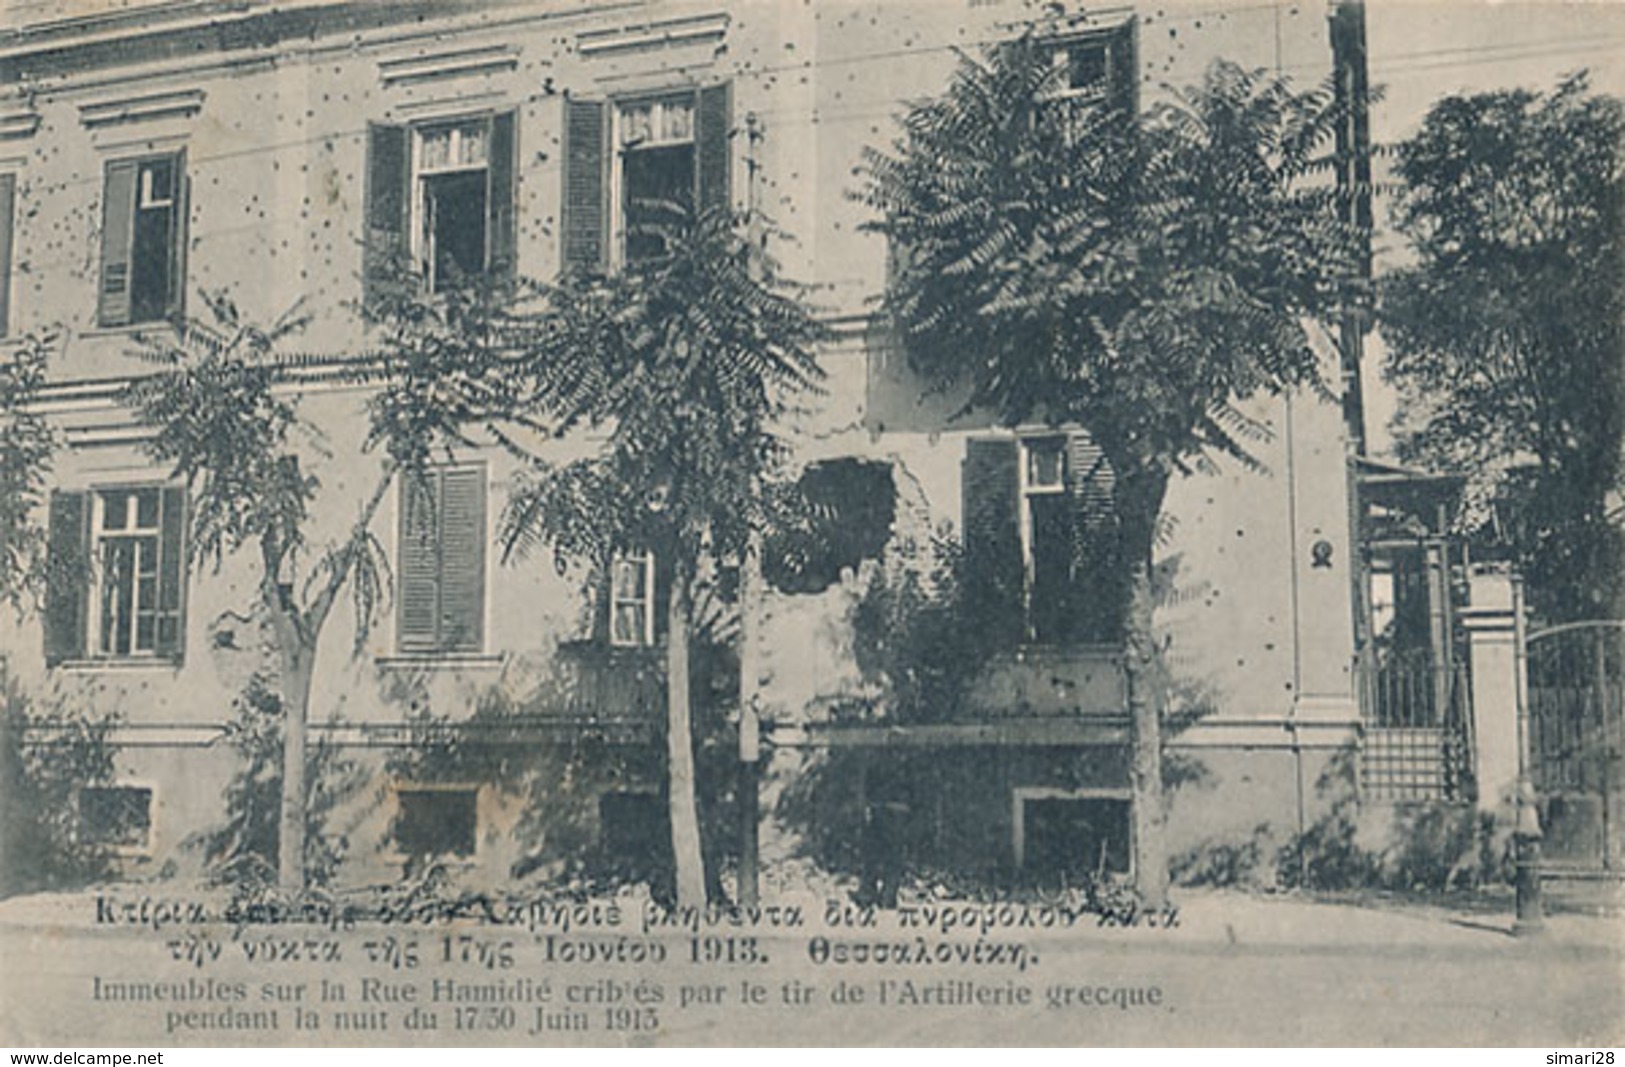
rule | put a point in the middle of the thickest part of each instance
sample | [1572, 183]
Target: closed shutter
[118, 221]
[386, 204]
[416, 570]
[585, 185]
[1124, 70]
[171, 572]
[991, 500]
[500, 195]
[175, 302]
[441, 569]
[462, 559]
[712, 122]
[67, 588]
[8, 201]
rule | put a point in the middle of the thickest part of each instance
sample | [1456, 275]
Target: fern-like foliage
[1065, 261]
[27, 445]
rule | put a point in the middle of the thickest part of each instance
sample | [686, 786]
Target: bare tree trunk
[684, 811]
[297, 663]
[1141, 500]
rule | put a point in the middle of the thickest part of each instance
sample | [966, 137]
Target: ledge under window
[125, 663]
[440, 661]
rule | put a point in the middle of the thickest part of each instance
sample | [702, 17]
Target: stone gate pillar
[1492, 656]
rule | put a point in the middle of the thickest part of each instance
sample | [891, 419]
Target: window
[115, 579]
[441, 568]
[851, 507]
[632, 599]
[1096, 64]
[1072, 833]
[440, 196]
[436, 821]
[8, 203]
[117, 817]
[1039, 538]
[143, 240]
[633, 164]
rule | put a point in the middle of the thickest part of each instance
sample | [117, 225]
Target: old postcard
[953, 522]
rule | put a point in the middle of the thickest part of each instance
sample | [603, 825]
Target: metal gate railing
[1417, 732]
[1576, 692]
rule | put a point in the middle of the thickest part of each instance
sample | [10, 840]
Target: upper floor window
[115, 580]
[143, 240]
[441, 195]
[632, 164]
[441, 566]
[1096, 65]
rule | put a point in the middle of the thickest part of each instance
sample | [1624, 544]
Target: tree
[1067, 262]
[1505, 332]
[685, 360]
[225, 423]
[26, 447]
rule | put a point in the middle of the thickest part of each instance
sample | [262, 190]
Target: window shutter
[386, 203]
[585, 173]
[415, 570]
[462, 559]
[67, 589]
[8, 202]
[1124, 69]
[500, 195]
[713, 116]
[118, 221]
[1097, 581]
[991, 505]
[175, 304]
[171, 572]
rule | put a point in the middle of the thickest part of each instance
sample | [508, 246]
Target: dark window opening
[454, 214]
[115, 816]
[152, 241]
[1087, 66]
[436, 822]
[633, 832]
[849, 507]
[658, 191]
[1075, 836]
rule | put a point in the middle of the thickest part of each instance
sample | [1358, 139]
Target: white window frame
[618, 150]
[1028, 489]
[420, 242]
[94, 644]
[646, 602]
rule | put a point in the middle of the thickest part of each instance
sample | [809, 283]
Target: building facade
[281, 152]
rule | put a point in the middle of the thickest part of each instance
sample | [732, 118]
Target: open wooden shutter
[171, 572]
[67, 580]
[416, 569]
[8, 203]
[990, 504]
[586, 174]
[713, 118]
[1098, 588]
[118, 222]
[175, 299]
[462, 559]
[1124, 69]
[500, 195]
[388, 174]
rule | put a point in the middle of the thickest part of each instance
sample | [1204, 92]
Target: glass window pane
[1044, 463]
[637, 124]
[472, 147]
[436, 149]
[146, 509]
[114, 506]
[627, 624]
[677, 121]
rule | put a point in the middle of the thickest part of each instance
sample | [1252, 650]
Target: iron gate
[1576, 675]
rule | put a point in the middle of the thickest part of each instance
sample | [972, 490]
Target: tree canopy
[1070, 262]
[1504, 331]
